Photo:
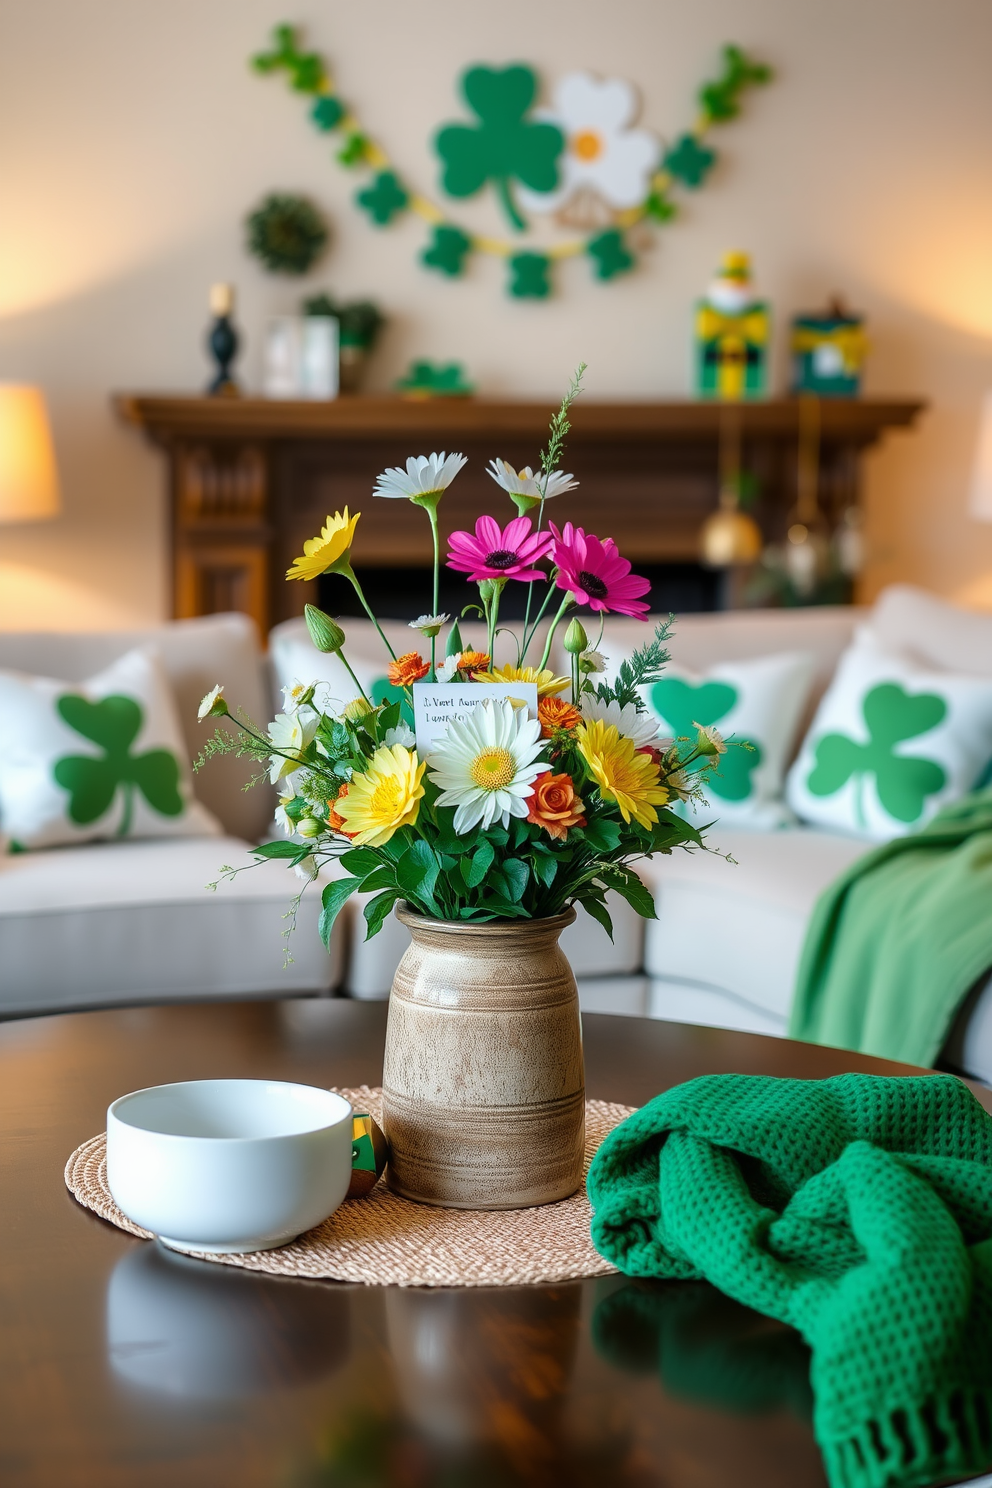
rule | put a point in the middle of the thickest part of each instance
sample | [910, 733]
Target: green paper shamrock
[306, 70]
[720, 100]
[505, 145]
[384, 198]
[611, 254]
[530, 276]
[92, 782]
[902, 782]
[354, 150]
[448, 251]
[327, 112]
[425, 380]
[383, 691]
[660, 207]
[683, 705]
[689, 161]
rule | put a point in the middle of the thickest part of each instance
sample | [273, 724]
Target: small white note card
[434, 703]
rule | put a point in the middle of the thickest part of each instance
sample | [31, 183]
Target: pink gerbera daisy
[490, 553]
[596, 574]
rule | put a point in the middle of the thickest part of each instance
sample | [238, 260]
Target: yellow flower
[356, 710]
[622, 773]
[384, 799]
[321, 554]
[547, 683]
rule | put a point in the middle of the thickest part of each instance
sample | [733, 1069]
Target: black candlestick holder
[222, 341]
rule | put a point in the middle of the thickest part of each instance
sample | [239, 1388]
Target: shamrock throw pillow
[95, 760]
[756, 704]
[890, 744]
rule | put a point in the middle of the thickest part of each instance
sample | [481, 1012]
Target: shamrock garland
[501, 145]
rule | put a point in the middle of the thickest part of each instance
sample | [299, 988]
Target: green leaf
[279, 850]
[475, 868]
[545, 869]
[383, 877]
[359, 860]
[417, 871]
[603, 834]
[517, 875]
[598, 910]
[335, 895]
[627, 884]
[376, 911]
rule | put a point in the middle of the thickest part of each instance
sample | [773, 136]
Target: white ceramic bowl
[229, 1165]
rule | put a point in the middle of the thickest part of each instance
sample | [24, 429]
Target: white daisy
[401, 734]
[642, 728]
[289, 732]
[208, 704]
[425, 475]
[525, 483]
[295, 694]
[448, 668]
[486, 764]
[428, 625]
[603, 152]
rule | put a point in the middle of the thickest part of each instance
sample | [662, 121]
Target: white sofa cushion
[196, 654]
[738, 928]
[937, 633]
[92, 760]
[134, 922]
[892, 742]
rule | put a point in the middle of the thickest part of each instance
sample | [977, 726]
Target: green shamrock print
[902, 781]
[690, 162]
[611, 254]
[529, 276]
[383, 199]
[683, 705]
[93, 781]
[505, 145]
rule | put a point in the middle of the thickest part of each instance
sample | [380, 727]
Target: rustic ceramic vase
[483, 1082]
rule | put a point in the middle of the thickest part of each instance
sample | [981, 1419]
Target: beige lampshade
[980, 498]
[29, 482]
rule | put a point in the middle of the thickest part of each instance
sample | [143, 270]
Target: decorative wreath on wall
[582, 159]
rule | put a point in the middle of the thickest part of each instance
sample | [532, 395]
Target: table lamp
[29, 483]
[980, 498]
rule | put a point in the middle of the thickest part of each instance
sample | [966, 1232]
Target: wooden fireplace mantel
[251, 478]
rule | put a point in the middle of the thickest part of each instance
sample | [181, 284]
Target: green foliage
[447, 250]
[384, 199]
[529, 276]
[689, 161]
[610, 254]
[903, 782]
[505, 145]
[93, 781]
[720, 99]
[354, 150]
[644, 667]
[435, 380]
[305, 69]
[660, 208]
[287, 234]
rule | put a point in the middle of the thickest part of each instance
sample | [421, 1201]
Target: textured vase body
[483, 1082]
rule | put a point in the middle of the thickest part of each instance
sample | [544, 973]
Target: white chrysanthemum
[291, 733]
[425, 475]
[602, 152]
[428, 625]
[207, 703]
[401, 734]
[641, 727]
[294, 694]
[486, 764]
[526, 483]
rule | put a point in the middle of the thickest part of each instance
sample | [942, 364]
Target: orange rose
[407, 669]
[554, 713]
[555, 806]
[334, 821]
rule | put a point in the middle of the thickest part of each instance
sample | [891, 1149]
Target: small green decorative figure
[427, 380]
[369, 1155]
[505, 145]
[732, 333]
[828, 352]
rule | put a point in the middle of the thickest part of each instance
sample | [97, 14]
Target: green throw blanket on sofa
[895, 944]
[858, 1209]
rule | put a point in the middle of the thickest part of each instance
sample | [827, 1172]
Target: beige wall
[133, 138]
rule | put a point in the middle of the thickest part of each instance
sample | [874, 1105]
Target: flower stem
[432, 513]
[350, 575]
[354, 679]
[493, 612]
[509, 205]
[530, 587]
[566, 604]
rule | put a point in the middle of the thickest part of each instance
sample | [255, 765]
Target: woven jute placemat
[383, 1240]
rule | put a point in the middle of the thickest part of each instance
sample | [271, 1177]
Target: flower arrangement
[507, 815]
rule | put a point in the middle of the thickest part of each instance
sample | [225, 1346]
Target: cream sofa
[133, 922]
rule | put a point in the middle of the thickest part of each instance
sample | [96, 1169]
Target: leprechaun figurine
[732, 333]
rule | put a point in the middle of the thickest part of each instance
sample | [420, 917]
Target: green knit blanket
[858, 1209]
[895, 943]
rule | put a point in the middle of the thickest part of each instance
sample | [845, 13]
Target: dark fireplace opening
[405, 593]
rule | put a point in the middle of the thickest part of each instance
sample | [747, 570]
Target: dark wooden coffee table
[122, 1365]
